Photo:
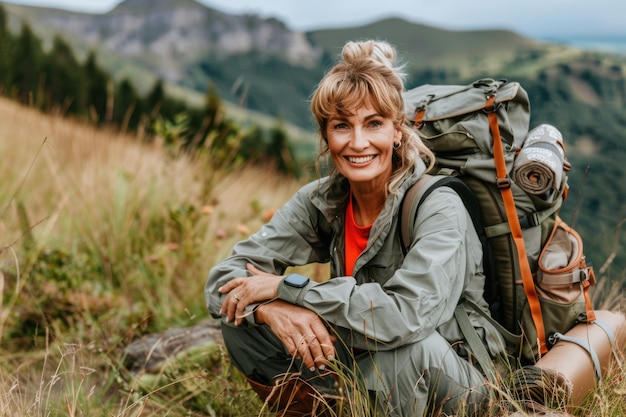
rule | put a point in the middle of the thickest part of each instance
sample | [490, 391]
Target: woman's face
[361, 145]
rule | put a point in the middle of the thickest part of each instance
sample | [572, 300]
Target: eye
[340, 125]
[375, 123]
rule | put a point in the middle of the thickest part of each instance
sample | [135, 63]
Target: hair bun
[378, 51]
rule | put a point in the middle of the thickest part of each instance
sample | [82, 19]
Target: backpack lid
[442, 102]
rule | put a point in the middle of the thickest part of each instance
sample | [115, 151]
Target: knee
[257, 352]
[456, 397]
[244, 340]
[431, 352]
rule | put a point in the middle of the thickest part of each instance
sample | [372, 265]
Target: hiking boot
[539, 388]
[295, 397]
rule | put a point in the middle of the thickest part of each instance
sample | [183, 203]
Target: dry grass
[103, 239]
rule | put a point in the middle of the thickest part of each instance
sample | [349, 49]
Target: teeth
[360, 159]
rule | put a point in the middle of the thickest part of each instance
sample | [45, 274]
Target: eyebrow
[346, 116]
[373, 115]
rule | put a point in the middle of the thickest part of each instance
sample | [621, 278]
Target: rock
[150, 353]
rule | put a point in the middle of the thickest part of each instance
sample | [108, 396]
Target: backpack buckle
[494, 108]
[420, 111]
[418, 120]
[531, 220]
[503, 183]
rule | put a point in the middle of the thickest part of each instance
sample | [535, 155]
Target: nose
[359, 139]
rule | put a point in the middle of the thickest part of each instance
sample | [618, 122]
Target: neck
[367, 205]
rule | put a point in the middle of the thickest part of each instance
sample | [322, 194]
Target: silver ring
[235, 297]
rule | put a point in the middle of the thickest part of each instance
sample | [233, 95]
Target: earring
[396, 145]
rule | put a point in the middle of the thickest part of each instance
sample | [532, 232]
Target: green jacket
[392, 299]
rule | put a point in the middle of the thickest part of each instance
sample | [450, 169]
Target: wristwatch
[296, 280]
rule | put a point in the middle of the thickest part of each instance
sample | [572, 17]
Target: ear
[397, 137]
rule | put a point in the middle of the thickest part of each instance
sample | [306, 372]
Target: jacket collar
[331, 196]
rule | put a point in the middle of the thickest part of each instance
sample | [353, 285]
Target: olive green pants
[426, 378]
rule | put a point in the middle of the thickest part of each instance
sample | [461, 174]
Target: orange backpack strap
[504, 184]
[418, 120]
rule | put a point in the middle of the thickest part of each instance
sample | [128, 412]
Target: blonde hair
[367, 73]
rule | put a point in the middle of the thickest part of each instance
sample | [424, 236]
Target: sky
[542, 19]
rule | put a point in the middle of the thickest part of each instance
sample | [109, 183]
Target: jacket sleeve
[421, 294]
[290, 238]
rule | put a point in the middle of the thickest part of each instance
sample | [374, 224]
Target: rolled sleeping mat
[582, 356]
[538, 167]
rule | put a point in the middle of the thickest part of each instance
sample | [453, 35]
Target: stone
[150, 353]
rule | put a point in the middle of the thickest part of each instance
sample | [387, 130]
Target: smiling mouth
[360, 159]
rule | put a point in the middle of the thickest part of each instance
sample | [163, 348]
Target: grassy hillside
[103, 240]
[424, 46]
[582, 93]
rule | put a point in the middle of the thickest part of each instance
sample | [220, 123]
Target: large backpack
[513, 182]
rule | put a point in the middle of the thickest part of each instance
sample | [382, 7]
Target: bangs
[349, 95]
[345, 90]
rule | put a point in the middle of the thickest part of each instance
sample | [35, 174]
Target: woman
[386, 316]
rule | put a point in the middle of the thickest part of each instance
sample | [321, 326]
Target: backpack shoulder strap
[423, 188]
[409, 208]
[416, 196]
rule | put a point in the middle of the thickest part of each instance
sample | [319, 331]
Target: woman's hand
[301, 330]
[242, 292]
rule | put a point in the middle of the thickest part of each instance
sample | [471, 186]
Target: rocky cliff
[170, 35]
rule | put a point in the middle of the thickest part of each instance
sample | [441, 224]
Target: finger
[254, 270]
[240, 309]
[304, 352]
[231, 306]
[229, 286]
[326, 342]
[292, 346]
[317, 352]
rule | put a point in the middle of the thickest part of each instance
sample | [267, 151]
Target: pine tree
[64, 79]
[127, 108]
[96, 89]
[7, 52]
[28, 55]
[280, 151]
[155, 99]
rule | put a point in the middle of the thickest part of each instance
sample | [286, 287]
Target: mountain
[261, 65]
[190, 45]
[424, 46]
[167, 36]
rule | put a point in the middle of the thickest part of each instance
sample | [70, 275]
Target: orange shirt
[356, 238]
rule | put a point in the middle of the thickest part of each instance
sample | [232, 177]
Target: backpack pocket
[562, 269]
[561, 282]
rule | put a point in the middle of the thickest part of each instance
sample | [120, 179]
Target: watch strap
[291, 294]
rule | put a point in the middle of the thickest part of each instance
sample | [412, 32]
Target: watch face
[296, 280]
